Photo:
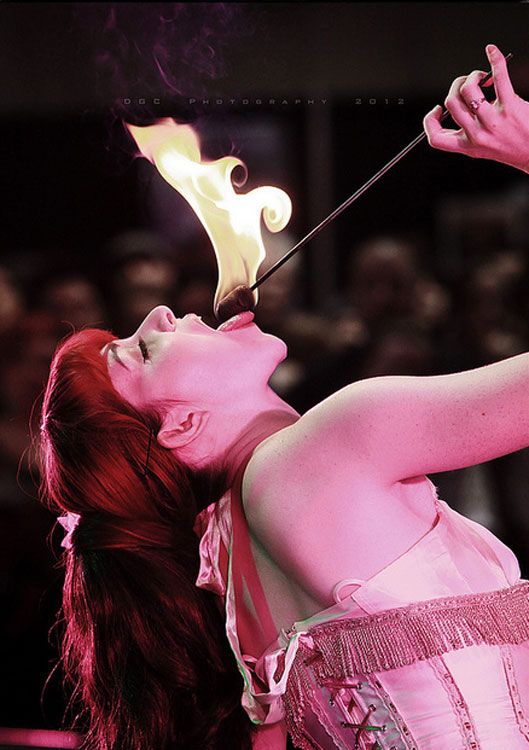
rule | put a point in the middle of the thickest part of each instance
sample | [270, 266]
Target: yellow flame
[232, 220]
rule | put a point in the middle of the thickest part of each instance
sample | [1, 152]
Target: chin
[278, 346]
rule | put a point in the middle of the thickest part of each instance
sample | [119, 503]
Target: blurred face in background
[74, 301]
[382, 280]
[140, 285]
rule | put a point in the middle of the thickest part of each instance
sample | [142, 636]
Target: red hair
[144, 649]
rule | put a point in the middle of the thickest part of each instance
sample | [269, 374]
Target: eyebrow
[113, 348]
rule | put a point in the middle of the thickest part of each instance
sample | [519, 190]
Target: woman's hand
[498, 130]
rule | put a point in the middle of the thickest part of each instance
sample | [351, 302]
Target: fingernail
[491, 49]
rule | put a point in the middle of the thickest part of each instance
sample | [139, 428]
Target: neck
[256, 431]
[235, 433]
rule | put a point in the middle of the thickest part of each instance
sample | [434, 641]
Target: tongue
[237, 321]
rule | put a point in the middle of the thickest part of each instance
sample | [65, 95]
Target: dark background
[70, 183]
[69, 179]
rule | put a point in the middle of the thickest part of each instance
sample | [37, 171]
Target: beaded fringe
[400, 637]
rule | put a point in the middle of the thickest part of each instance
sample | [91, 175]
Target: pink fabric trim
[467, 730]
[420, 631]
[514, 691]
[356, 647]
[211, 526]
[435, 554]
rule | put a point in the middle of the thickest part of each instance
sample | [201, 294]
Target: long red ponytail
[144, 650]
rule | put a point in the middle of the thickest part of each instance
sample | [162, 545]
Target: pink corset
[431, 653]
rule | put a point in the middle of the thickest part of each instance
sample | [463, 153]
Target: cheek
[208, 369]
[129, 386]
[189, 373]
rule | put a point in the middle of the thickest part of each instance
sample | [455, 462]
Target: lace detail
[351, 649]
[322, 714]
[464, 720]
[514, 691]
[363, 711]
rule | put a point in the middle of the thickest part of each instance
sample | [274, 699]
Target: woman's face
[172, 359]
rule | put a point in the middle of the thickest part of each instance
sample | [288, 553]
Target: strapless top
[430, 653]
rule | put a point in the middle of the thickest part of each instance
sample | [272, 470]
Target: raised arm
[391, 428]
[395, 427]
[497, 130]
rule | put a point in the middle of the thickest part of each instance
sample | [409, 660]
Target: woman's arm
[498, 130]
[395, 427]
[390, 428]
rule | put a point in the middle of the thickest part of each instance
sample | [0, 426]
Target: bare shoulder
[394, 427]
[297, 467]
[304, 509]
[323, 446]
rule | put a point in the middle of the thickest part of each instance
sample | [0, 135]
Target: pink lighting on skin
[211, 385]
[192, 361]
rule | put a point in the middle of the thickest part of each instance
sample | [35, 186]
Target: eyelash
[143, 349]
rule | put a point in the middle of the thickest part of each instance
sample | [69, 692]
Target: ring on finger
[475, 104]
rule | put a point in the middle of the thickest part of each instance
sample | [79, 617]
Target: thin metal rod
[357, 194]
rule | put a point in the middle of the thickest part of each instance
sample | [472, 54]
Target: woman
[213, 533]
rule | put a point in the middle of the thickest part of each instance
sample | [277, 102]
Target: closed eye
[143, 349]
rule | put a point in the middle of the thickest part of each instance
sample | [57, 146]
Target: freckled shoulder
[303, 511]
[292, 471]
[270, 463]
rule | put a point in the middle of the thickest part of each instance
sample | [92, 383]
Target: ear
[181, 426]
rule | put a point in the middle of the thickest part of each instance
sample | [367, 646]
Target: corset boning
[464, 687]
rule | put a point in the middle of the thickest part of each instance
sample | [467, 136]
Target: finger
[439, 137]
[458, 107]
[502, 82]
[471, 91]
[474, 80]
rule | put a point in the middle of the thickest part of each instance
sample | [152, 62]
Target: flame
[232, 220]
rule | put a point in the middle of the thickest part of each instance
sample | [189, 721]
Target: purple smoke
[161, 54]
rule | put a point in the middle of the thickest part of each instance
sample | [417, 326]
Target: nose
[159, 319]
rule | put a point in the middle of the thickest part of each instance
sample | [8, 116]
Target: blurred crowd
[390, 315]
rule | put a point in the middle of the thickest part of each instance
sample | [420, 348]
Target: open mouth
[237, 321]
